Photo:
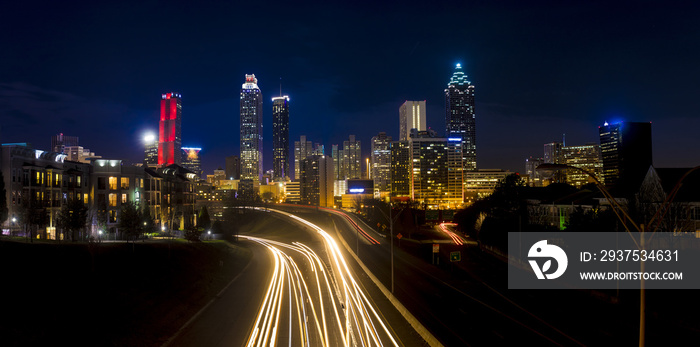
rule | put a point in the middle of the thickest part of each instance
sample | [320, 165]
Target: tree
[3, 200]
[203, 220]
[72, 218]
[193, 233]
[130, 221]
[149, 224]
[32, 216]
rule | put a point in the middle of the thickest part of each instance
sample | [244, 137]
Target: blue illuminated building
[460, 117]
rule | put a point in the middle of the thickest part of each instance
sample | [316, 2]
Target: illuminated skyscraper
[381, 163]
[151, 150]
[280, 138]
[586, 157]
[251, 130]
[411, 116]
[352, 159]
[460, 116]
[170, 133]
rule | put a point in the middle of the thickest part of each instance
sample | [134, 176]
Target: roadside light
[14, 220]
[209, 232]
[162, 228]
[99, 232]
[144, 223]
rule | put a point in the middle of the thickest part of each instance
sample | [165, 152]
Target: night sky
[97, 70]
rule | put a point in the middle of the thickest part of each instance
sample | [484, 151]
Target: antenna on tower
[564, 140]
[280, 86]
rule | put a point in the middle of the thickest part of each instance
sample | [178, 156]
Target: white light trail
[354, 321]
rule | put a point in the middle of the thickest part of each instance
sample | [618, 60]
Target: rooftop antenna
[564, 140]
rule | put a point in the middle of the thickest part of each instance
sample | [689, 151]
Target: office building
[534, 177]
[553, 154]
[251, 112]
[436, 170]
[316, 182]
[352, 159]
[481, 183]
[626, 152]
[302, 149]
[60, 141]
[192, 160]
[150, 157]
[460, 117]
[233, 167]
[79, 154]
[380, 165]
[400, 169]
[280, 138]
[411, 116]
[170, 130]
[337, 154]
[586, 157]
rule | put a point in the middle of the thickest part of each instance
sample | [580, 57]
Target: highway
[298, 291]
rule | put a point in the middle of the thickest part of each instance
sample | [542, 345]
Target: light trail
[353, 320]
[356, 226]
[455, 238]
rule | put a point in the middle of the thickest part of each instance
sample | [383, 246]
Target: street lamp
[660, 213]
[391, 233]
[209, 234]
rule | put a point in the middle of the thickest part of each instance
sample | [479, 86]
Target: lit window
[125, 182]
[124, 199]
[113, 183]
[112, 200]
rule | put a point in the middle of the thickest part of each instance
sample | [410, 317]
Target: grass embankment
[111, 294]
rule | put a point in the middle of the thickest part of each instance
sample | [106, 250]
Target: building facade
[60, 141]
[381, 164]
[352, 159]
[150, 157]
[191, 160]
[460, 116]
[280, 138]
[170, 130]
[316, 183]
[586, 157]
[302, 149]
[251, 111]
[412, 115]
[627, 154]
[400, 169]
[233, 167]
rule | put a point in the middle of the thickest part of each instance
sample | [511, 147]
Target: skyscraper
[337, 154]
[192, 160]
[302, 149]
[352, 159]
[381, 163]
[460, 116]
[280, 138]
[251, 130]
[626, 152]
[586, 157]
[316, 180]
[60, 141]
[170, 130]
[411, 116]
[151, 150]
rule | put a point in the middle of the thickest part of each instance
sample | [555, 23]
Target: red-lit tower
[170, 139]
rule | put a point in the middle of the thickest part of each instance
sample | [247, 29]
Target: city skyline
[539, 69]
